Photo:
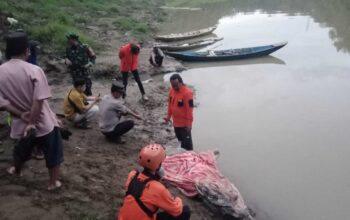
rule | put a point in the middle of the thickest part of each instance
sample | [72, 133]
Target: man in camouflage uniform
[80, 57]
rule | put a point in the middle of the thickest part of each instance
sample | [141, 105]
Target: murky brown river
[281, 123]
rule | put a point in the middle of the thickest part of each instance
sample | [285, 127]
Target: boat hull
[224, 55]
[185, 36]
[189, 46]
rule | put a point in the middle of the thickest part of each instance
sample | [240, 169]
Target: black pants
[159, 61]
[82, 73]
[137, 79]
[119, 130]
[184, 137]
[186, 215]
[88, 86]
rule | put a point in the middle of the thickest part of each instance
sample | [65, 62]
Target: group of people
[24, 94]
[80, 57]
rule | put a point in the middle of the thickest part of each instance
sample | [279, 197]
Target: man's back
[128, 61]
[20, 84]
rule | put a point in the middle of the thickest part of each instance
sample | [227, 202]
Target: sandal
[57, 185]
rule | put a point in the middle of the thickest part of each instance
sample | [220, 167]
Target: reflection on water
[282, 122]
[254, 61]
[333, 14]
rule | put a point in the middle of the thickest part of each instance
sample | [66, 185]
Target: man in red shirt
[128, 55]
[180, 108]
[145, 194]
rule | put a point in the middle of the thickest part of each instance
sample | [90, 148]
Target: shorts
[51, 145]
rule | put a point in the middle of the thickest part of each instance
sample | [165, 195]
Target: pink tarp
[197, 174]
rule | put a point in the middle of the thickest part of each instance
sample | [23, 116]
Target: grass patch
[129, 24]
[48, 21]
[54, 34]
[192, 3]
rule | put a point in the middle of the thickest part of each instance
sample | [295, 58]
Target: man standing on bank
[24, 91]
[128, 55]
[80, 57]
[180, 109]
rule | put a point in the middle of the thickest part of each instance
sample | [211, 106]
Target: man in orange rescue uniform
[145, 194]
[129, 55]
[180, 108]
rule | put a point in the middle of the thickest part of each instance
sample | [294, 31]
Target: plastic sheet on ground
[197, 174]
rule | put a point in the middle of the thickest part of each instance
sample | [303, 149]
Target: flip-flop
[57, 185]
[38, 156]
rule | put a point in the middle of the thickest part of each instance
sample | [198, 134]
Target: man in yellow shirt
[79, 108]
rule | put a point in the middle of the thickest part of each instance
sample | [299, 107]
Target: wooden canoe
[188, 46]
[221, 55]
[187, 35]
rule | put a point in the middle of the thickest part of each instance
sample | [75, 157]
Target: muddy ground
[94, 170]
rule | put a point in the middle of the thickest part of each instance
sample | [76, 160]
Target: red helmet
[151, 156]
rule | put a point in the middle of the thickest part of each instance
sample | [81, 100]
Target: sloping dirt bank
[94, 170]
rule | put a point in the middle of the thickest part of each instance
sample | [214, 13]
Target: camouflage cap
[72, 35]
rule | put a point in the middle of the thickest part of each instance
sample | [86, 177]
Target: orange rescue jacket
[128, 61]
[154, 196]
[180, 106]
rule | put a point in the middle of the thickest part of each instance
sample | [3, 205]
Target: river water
[282, 122]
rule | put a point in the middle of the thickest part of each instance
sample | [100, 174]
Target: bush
[48, 21]
[54, 34]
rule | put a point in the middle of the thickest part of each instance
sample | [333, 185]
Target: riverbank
[94, 170]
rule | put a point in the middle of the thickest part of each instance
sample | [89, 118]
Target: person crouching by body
[111, 111]
[146, 194]
[79, 108]
[156, 58]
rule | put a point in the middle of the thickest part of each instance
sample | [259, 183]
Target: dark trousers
[82, 73]
[137, 79]
[88, 86]
[185, 215]
[184, 137]
[51, 145]
[120, 129]
[159, 61]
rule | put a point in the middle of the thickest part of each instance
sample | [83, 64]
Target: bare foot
[12, 171]
[57, 185]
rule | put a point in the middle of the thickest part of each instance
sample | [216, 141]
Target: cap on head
[72, 35]
[117, 87]
[151, 156]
